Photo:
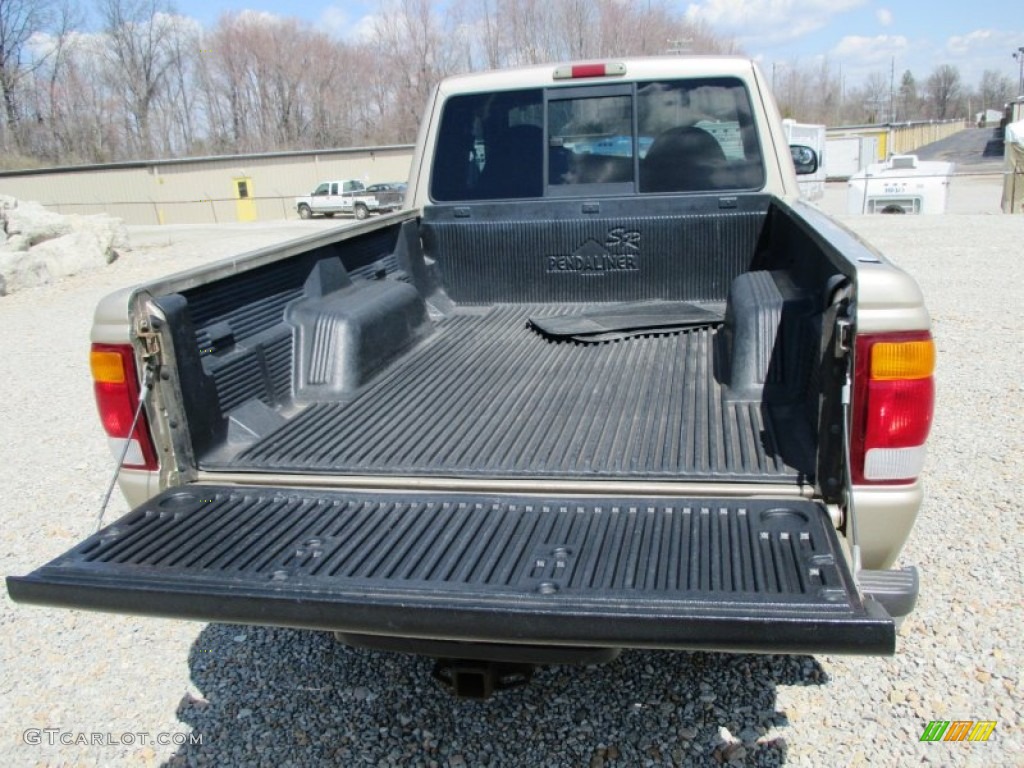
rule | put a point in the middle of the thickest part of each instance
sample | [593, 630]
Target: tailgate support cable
[854, 538]
[147, 386]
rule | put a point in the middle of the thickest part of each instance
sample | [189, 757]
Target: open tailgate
[716, 574]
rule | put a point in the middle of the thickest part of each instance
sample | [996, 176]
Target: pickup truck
[348, 196]
[390, 195]
[607, 383]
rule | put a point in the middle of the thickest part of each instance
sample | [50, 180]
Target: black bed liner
[744, 575]
[487, 395]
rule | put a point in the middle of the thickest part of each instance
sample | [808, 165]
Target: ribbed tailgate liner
[673, 573]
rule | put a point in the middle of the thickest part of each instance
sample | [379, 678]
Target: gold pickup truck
[607, 383]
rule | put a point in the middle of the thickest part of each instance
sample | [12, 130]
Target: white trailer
[849, 154]
[902, 184]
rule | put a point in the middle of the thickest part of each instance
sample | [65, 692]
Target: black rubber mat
[623, 321]
[487, 395]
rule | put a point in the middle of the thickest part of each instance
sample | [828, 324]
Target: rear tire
[304, 212]
[361, 212]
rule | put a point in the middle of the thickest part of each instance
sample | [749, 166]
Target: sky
[863, 36]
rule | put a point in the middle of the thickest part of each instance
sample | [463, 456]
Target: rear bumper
[691, 574]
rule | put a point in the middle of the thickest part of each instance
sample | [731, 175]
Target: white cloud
[982, 49]
[258, 17]
[334, 20]
[962, 45]
[251, 18]
[971, 53]
[341, 25]
[861, 57]
[41, 45]
[364, 29]
[884, 16]
[871, 50]
[185, 26]
[95, 44]
[768, 22]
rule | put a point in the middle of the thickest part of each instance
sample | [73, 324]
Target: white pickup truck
[607, 384]
[346, 196]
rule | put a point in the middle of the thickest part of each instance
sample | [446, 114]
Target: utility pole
[776, 67]
[892, 77]
[1019, 56]
[842, 88]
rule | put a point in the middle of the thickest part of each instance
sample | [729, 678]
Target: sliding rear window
[669, 136]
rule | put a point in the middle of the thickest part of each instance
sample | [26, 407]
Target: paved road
[973, 147]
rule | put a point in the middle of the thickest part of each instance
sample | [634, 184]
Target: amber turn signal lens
[107, 367]
[892, 360]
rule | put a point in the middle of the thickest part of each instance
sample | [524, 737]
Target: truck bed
[407, 350]
[488, 395]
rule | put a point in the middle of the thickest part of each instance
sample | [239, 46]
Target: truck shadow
[995, 147]
[277, 696]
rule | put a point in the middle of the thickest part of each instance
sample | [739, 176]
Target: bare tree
[153, 83]
[994, 90]
[576, 19]
[36, 94]
[943, 91]
[794, 91]
[180, 113]
[875, 97]
[826, 106]
[414, 40]
[74, 107]
[19, 21]
[141, 56]
[907, 102]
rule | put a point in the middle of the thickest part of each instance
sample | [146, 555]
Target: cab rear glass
[666, 136]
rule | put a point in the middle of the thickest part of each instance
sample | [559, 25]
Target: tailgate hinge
[148, 332]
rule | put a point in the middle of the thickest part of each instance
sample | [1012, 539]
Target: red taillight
[893, 403]
[899, 413]
[116, 384]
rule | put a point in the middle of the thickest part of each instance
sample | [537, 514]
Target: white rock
[34, 223]
[16, 243]
[110, 232]
[19, 271]
[68, 255]
[42, 246]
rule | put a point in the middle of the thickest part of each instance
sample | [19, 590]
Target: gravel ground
[279, 697]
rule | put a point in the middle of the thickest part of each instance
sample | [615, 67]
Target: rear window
[694, 135]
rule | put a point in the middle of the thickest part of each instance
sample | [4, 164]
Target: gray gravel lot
[279, 697]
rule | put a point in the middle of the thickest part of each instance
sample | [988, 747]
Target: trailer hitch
[476, 679]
